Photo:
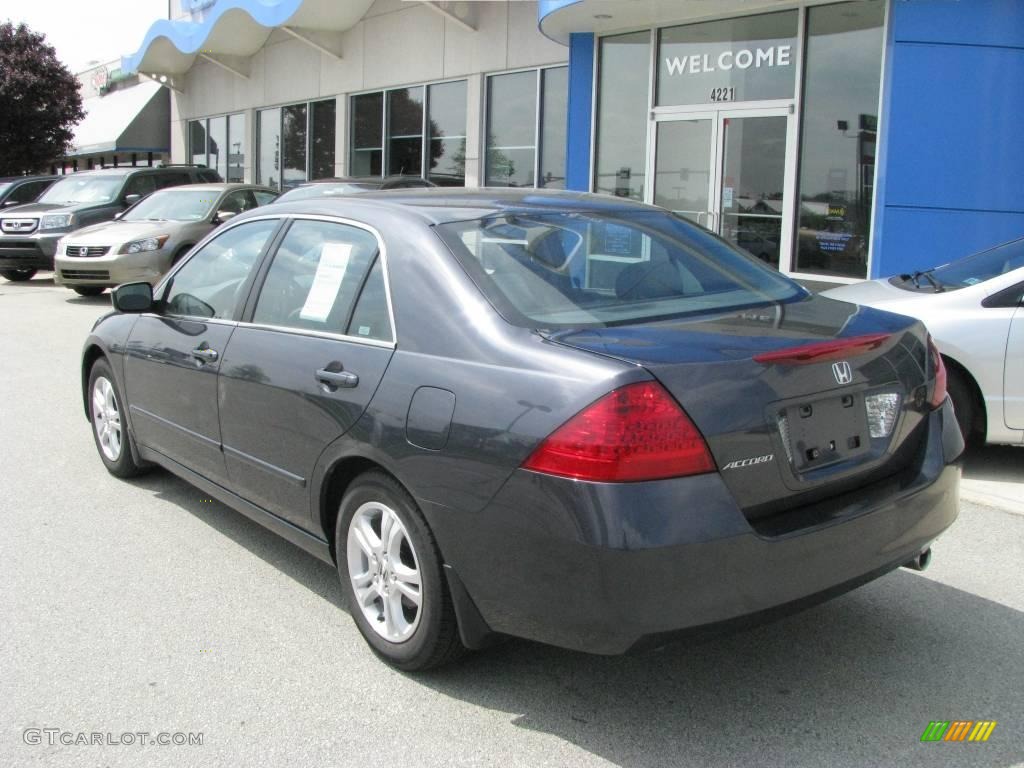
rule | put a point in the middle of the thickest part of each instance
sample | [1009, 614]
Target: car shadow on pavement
[994, 463]
[853, 682]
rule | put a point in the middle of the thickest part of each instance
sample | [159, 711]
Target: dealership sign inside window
[745, 59]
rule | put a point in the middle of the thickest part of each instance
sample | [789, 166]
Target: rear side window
[595, 269]
[141, 185]
[29, 191]
[370, 318]
[212, 282]
[316, 275]
[207, 174]
[263, 198]
[173, 179]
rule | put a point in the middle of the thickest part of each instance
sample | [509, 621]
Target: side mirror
[132, 199]
[223, 216]
[133, 297]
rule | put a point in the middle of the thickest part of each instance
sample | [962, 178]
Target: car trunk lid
[789, 397]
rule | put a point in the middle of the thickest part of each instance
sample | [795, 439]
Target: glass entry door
[727, 170]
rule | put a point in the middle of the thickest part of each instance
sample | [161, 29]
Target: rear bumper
[604, 568]
[29, 251]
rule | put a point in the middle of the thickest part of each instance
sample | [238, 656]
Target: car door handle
[334, 379]
[205, 354]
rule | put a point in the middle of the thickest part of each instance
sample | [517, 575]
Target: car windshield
[590, 269]
[979, 267]
[326, 190]
[84, 189]
[175, 205]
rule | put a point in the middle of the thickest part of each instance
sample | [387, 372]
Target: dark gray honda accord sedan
[564, 417]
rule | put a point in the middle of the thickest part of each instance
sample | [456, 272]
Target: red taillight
[823, 350]
[634, 433]
[939, 371]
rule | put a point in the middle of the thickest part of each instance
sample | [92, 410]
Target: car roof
[439, 205]
[128, 169]
[222, 186]
[40, 177]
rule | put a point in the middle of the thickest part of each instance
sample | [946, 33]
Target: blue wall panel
[951, 158]
[581, 105]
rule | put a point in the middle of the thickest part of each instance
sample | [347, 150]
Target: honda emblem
[842, 372]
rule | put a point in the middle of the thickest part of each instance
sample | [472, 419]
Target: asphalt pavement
[142, 606]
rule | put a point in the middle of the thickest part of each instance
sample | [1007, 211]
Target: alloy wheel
[384, 571]
[106, 418]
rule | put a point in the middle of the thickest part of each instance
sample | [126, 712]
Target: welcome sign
[745, 58]
[751, 58]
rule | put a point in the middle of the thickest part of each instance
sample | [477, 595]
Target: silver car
[146, 240]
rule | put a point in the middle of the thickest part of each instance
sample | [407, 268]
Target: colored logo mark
[958, 730]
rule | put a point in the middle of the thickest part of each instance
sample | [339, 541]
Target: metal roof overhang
[560, 18]
[234, 30]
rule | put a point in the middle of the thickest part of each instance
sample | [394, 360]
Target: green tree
[39, 102]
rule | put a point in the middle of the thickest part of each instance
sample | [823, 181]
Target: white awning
[129, 119]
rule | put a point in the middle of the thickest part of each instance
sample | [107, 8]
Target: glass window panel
[622, 115]
[405, 131]
[210, 284]
[753, 172]
[840, 122]
[268, 149]
[315, 276]
[511, 129]
[323, 125]
[236, 148]
[293, 145]
[447, 130]
[682, 170]
[367, 157]
[754, 55]
[370, 318]
[217, 142]
[197, 141]
[554, 117]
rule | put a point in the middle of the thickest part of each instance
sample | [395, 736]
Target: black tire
[123, 464]
[965, 404]
[18, 275]
[435, 639]
[88, 290]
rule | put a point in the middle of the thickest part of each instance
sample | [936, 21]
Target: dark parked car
[29, 233]
[425, 390]
[18, 190]
[352, 185]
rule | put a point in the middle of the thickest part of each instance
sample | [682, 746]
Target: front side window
[211, 283]
[140, 185]
[316, 276]
[589, 269]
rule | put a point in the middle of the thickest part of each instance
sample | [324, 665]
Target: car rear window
[589, 269]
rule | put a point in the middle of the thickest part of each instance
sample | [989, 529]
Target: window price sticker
[334, 259]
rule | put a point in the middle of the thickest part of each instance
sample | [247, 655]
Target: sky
[86, 31]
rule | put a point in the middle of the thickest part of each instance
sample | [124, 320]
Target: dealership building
[833, 140]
